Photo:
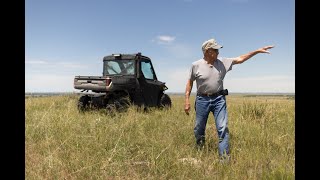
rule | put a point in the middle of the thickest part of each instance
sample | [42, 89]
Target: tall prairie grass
[61, 143]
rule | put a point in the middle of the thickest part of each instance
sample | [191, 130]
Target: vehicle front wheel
[165, 101]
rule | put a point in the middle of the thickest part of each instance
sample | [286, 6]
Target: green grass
[61, 143]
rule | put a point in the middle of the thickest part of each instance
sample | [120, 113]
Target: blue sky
[65, 38]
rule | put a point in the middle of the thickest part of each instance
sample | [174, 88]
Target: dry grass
[64, 144]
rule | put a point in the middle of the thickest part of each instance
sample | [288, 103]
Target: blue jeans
[217, 105]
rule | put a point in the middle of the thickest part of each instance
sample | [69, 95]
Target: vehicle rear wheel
[118, 104]
[165, 101]
[83, 103]
[122, 103]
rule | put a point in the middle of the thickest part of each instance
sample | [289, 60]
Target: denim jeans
[217, 105]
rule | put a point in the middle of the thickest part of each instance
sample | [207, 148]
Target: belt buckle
[209, 94]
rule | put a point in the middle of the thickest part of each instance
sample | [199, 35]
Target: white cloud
[165, 39]
[178, 51]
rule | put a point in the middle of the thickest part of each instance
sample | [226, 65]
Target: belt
[222, 92]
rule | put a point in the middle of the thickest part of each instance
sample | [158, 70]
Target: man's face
[213, 53]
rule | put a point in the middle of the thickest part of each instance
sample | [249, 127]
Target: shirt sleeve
[228, 62]
[192, 73]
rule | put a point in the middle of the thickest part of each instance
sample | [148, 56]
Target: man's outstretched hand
[265, 49]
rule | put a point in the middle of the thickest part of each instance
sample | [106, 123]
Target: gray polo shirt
[209, 78]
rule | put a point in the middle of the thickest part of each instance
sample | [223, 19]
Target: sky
[66, 38]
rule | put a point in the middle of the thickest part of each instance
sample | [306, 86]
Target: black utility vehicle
[126, 79]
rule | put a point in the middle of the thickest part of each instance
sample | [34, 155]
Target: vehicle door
[149, 83]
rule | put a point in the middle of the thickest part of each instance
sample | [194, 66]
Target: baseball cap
[211, 43]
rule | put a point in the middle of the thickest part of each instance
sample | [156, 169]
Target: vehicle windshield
[119, 67]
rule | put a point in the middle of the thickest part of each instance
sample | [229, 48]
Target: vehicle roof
[121, 56]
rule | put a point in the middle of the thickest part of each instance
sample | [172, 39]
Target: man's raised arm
[243, 58]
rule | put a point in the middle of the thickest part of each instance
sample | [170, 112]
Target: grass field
[61, 143]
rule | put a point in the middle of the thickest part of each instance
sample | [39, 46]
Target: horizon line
[174, 92]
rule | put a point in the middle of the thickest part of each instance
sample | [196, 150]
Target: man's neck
[209, 60]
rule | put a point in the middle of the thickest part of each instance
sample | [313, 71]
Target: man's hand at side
[187, 107]
[187, 95]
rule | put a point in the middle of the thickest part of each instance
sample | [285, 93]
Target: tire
[119, 104]
[165, 101]
[83, 103]
[123, 103]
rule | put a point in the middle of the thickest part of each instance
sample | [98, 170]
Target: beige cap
[211, 43]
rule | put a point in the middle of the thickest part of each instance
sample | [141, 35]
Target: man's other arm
[187, 96]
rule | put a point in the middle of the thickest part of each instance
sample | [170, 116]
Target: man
[209, 73]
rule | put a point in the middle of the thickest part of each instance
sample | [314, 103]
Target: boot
[200, 143]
